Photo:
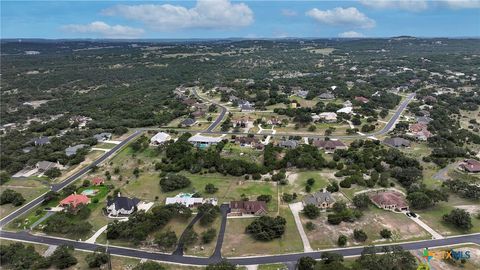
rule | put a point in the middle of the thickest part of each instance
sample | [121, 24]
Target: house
[257, 208]
[122, 206]
[420, 131]
[322, 199]
[397, 142]
[329, 146]
[97, 181]
[288, 144]
[329, 117]
[104, 136]
[43, 166]
[347, 110]
[315, 117]
[188, 200]
[470, 165]
[424, 120]
[40, 141]
[326, 96]
[203, 141]
[273, 121]
[74, 200]
[198, 113]
[189, 102]
[160, 138]
[362, 99]
[72, 150]
[389, 200]
[246, 141]
[430, 99]
[81, 120]
[347, 103]
[188, 122]
[247, 107]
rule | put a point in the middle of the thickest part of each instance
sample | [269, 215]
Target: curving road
[223, 111]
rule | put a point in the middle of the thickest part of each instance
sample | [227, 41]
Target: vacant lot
[372, 222]
[30, 189]
[238, 243]
[200, 249]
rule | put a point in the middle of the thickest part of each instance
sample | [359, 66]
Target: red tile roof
[249, 206]
[74, 200]
[389, 198]
[471, 165]
[362, 99]
[97, 181]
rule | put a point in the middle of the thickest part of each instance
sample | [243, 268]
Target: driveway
[442, 174]
[296, 209]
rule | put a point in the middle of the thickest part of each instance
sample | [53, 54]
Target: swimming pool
[89, 192]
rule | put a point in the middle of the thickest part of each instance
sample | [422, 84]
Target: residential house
[189, 102]
[420, 131]
[322, 199]
[82, 121]
[329, 117]
[329, 146]
[273, 121]
[326, 96]
[257, 208]
[97, 181]
[203, 141]
[104, 136]
[397, 142]
[160, 138]
[122, 206]
[470, 165]
[198, 113]
[389, 200]
[247, 108]
[43, 166]
[347, 103]
[188, 122]
[72, 150]
[74, 200]
[40, 141]
[347, 110]
[315, 117]
[288, 144]
[188, 200]
[429, 99]
[302, 93]
[362, 99]
[246, 141]
[424, 120]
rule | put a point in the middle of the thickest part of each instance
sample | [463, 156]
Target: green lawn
[276, 266]
[30, 189]
[105, 145]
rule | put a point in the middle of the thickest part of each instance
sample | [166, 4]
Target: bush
[310, 226]
[210, 188]
[386, 233]
[267, 228]
[11, 196]
[223, 265]
[308, 189]
[311, 211]
[310, 182]
[96, 259]
[54, 173]
[287, 197]
[191, 237]
[342, 240]
[459, 218]
[172, 182]
[62, 257]
[334, 219]
[208, 235]
[209, 212]
[166, 240]
[359, 235]
[256, 176]
[346, 183]
[264, 197]
[361, 201]
[333, 187]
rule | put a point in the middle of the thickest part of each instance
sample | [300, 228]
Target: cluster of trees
[141, 224]
[266, 228]
[342, 213]
[73, 222]
[18, 256]
[463, 188]
[11, 196]
[171, 182]
[459, 218]
[372, 258]
[421, 197]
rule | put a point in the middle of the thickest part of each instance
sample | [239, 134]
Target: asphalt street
[223, 111]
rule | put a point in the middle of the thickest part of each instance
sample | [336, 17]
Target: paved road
[389, 126]
[224, 210]
[181, 242]
[141, 254]
[66, 182]
[223, 111]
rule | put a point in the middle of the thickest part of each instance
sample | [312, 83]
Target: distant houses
[72, 150]
[160, 138]
[419, 131]
[239, 208]
[188, 122]
[290, 144]
[43, 166]
[362, 99]
[326, 96]
[329, 146]
[203, 141]
[322, 199]
[101, 137]
[397, 142]
[329, 117]
[40, 141]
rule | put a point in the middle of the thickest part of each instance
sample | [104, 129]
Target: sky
[242, 19]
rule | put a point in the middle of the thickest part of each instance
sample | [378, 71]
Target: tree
[393, 258]
[386, 233]
[419, 200]
[310, 226]
[62, 257]
[166, 240]
[172, 182]
[459, 218]
[210, 188]
[311, 211]
[331, 257]
[339, 206]
[11, 196]
[264, 197]
[190, 237]
[359, 235]
[53, 173]
[333, 187]
[287, 197]
[136, 172]
[266, 228]
[222, 265]
[18, 256]
[208, 235]
[361, 201]
[209, 213]
[306, 263]
[97, 259]
[149, 265]
[50, 196]
[342, 240]
[4, 177]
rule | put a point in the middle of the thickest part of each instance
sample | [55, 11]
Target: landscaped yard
[238, 243]
[373, 221]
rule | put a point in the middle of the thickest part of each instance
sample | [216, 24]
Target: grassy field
[204, 250]
[105, 145]
[238, 243]
[30, 189]
[243, 153]
[275, 266]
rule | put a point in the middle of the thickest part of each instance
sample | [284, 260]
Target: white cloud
[409, 5]
[351, 34]
[289, 12]
[460, 4]
[342, 16]
[104, 30]
[205, 14]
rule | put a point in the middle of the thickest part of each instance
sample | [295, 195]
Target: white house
[160, 138]
[122, 206]
[347, 110]
[203, 141]
[188, 200]
[328, 116]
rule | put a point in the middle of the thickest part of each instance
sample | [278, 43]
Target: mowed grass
[239, 243]
[30, 189]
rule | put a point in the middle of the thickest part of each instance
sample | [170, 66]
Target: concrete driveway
[296, 209]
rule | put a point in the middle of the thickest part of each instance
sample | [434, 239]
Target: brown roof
[361, 99]
[418, 127]
[246, 140]
[471, 165]
[328, 144]
[389, 198]
[249, 206]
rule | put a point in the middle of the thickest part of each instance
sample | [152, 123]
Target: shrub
[311, 211]
[359, 235]
[264, 197]
[208, 235]
[267, 228]
[172, 182]
[342, 240]
[210, 188]
[310, 226]
[166, 240]
[386, 233]
[459, 218]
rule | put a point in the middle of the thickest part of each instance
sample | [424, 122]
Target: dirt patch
[472, 209]
[292, 177]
